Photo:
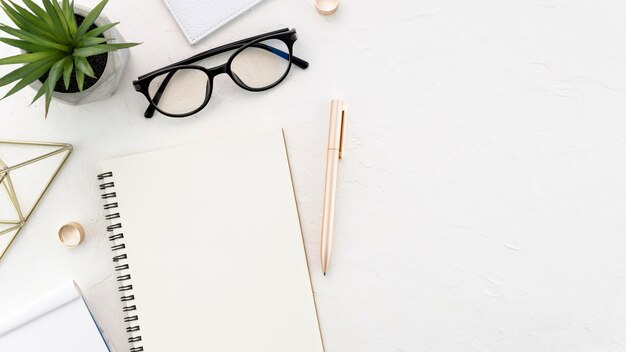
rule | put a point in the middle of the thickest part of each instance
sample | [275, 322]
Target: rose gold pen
[334, 153]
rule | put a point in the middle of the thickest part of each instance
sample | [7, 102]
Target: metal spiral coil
[125, 288]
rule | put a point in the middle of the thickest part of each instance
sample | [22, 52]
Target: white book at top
[57, 322]
[198, 18]
[212, 240]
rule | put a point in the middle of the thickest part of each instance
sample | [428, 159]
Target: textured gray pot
[110, 79]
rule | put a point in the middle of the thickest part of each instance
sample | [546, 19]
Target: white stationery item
[198, 18]
[208, 248]
[58, 322]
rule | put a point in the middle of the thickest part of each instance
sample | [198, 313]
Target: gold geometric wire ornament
[21, 216]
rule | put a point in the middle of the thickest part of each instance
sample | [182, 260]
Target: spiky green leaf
[32, 38]
[100, 29]
[40, 92]
[88, 42]
[38, 11]
[26, 69]
[101, 49]
[83, 65]
[90, 18]
[40, 26]
[21, 44]
[26, 58]
[68, 12]
[26, 20]
[63, 19]
[48, 100]
[57, 23]
[37, 69]
[15, 16]
[80, 79]
[55, 73]
[67, 73]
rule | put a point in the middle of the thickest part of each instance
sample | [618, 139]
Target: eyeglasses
[258, 63]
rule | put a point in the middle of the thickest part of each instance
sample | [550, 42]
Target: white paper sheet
[57, 322]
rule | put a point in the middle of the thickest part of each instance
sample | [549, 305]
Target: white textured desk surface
[482, 199]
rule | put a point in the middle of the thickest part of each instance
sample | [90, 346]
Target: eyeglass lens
[261, 64]
[184, 90]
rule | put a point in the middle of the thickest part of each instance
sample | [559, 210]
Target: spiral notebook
[208, 248]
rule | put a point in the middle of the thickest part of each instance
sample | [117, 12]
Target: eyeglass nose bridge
[216, 71]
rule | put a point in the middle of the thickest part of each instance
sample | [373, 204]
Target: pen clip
[342, 133]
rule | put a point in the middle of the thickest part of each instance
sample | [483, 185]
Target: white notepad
[213, 245]
[198, 18]
[57, 322]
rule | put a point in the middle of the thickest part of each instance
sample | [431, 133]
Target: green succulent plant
[54, 43]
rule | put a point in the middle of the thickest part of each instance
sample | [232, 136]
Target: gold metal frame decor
[7, 185]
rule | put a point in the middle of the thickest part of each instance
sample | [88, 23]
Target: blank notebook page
[215, 248]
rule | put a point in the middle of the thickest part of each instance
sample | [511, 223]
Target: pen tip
[324, 274]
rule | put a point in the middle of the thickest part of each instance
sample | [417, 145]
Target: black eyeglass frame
[286, 35]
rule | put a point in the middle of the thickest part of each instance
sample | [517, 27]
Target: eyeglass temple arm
[151, 109]
[294, 59]
[228, 47]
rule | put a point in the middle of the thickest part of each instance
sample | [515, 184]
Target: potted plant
[67, 51]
